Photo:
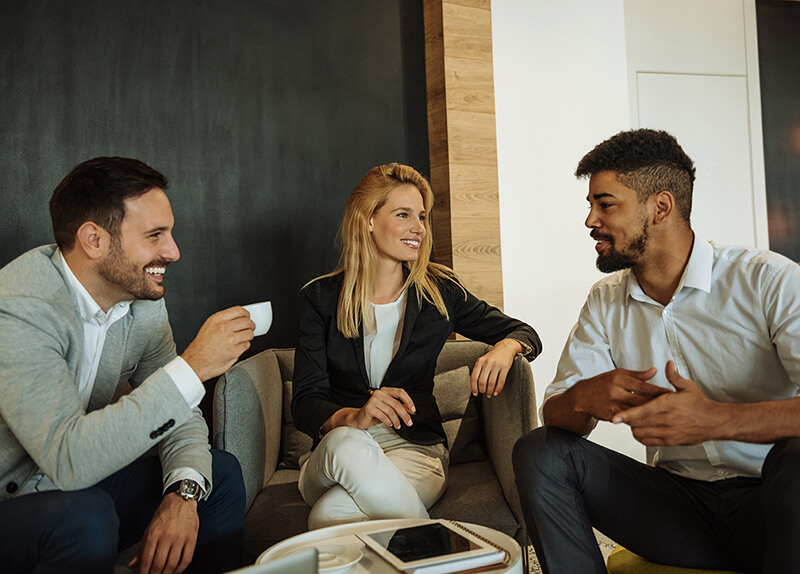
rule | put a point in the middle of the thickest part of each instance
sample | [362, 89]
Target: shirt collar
[87, 306]
[696, 275]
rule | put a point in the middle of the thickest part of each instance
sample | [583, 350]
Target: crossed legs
[568, 484]
[355, 475]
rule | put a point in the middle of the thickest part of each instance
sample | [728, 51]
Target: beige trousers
[355, 475]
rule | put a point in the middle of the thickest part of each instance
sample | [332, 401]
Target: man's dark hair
[648, 161]
[96, 191]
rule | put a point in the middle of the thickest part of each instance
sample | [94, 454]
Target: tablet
[438, 547]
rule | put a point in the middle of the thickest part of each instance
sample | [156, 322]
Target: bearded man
[77, 320]
[696, 347]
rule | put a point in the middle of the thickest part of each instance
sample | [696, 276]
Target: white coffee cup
[261, 315]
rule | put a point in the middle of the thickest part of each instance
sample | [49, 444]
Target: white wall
[693, 70]
[571, 73]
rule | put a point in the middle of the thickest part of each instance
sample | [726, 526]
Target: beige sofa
[252, 420]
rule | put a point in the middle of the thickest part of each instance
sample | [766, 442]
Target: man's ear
[664, 204]
[94, 240]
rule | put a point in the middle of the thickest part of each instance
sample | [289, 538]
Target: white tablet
[439, 547]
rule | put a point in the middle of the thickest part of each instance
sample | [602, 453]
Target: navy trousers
[568, 484]
[82, 531]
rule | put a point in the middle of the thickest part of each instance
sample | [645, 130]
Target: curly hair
[647, 161]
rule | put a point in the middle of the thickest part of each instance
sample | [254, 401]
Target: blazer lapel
[409, 318]
[358, 347]
[412, 311]
[111, 368]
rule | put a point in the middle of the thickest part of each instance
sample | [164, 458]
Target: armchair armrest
[248, 400]
[506, 418]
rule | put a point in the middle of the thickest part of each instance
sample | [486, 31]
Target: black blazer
[330, 372]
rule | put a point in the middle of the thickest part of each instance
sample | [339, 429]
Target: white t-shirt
[382, 340]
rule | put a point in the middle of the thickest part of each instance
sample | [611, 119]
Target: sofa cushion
[474, 495]
[460, 418]
[277, 513]
[294, 443]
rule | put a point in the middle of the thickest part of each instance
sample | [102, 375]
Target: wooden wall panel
[485, 4]
[472, 139]
[463, 143]
[470, 85]
[467, 32]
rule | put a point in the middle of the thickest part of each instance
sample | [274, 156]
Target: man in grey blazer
[77, 321]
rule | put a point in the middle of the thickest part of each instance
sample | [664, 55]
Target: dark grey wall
[779, 68]
[262, 113]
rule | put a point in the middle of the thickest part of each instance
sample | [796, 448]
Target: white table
[370, 562]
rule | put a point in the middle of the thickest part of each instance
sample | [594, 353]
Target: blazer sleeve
[40, 405]
[187, 445]
[478, 320]
[311, 403]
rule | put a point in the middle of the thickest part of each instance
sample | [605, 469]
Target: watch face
[189, 489]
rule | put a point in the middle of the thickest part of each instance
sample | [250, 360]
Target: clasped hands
[657, 416]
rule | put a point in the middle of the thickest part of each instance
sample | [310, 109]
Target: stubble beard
[616, 260]
[124, 274]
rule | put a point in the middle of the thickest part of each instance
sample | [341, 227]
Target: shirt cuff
[186, 380]
[184, 473]
[526, 348]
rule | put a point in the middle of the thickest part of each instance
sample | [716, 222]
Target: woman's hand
[387, 405]
[490, 370]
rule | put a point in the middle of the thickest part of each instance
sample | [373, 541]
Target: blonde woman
[370, 334]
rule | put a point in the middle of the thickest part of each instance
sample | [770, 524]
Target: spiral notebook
[438, 547]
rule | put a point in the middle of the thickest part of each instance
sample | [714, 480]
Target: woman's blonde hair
[358, 257]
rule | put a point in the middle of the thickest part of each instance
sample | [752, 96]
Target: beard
[124, 274]
[616, 260]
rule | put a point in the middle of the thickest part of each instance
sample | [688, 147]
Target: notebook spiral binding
[506, 553]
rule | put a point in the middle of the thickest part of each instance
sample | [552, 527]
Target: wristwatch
[186, 489]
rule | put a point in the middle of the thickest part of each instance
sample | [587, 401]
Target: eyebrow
[153, 230]
[406, 209]
[597, 196]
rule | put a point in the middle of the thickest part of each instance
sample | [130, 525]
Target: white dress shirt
[96, 324]
[732, 327]
[382, 338]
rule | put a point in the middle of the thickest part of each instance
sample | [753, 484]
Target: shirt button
[11, 487]
[170, 423]
[154, 434]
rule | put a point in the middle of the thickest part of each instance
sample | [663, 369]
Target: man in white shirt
[77, 321]
[697, 348]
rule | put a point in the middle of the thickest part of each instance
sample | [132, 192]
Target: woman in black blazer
[370, 334]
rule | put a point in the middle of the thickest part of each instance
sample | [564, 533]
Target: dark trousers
[81, 531]
[568, 484]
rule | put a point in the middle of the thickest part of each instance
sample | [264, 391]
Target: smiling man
[696, 347]
[77, 321]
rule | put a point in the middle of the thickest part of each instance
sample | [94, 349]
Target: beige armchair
[252, 420]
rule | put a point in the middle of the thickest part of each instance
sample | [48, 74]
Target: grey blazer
[42, 421]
